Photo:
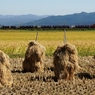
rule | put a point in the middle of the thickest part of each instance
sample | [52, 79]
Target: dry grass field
[14, 43]
[44, 83]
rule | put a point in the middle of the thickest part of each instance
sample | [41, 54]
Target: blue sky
[45, 7]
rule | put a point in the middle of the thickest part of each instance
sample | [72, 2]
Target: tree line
[50, 27]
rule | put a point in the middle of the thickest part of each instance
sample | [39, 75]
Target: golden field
[14, 42]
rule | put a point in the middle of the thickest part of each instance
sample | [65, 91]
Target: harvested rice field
[14, 43]
[45, 84]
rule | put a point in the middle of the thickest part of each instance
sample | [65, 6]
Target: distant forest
[50, 27]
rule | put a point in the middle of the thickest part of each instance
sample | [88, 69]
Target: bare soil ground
[45, 84]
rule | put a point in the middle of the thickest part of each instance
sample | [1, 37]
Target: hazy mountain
[82, 18]
[18, 19]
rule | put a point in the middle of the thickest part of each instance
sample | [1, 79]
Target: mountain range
[16, 20]
[82, 18]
